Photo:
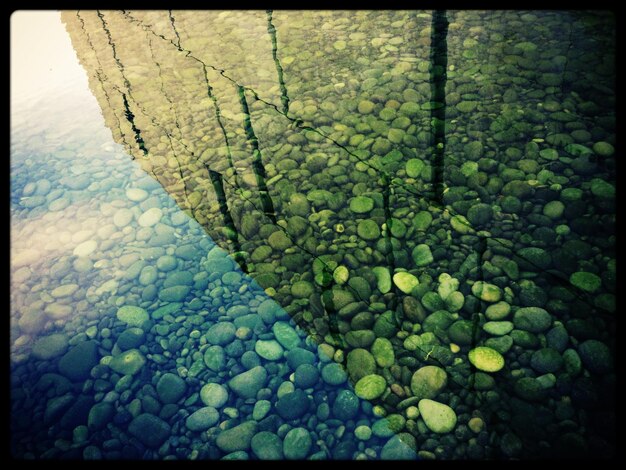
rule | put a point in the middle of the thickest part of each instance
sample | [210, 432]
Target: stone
[486, 359]
[128, 363]
[554, 209]
[361, 204]
[439, 418]
[368, 230]
[346, 405]
[247, 384]
[174, 293]
[170, 388]
[150, 430]
[487, 292]
[480, 214]
[286, 335]
[270, 350]
[48, 347]
[383, 278]
[77, 363]
[595, 356]
[603, 149]
[150, 217]
[85, 248]
[214, 395]
[298, 356]
[306, 376]
[406, 282]
[65, 290]
[363, 432]
[279, 241]
[202, 419]
[382, 350]
[237, 438]
[334, 374]
[422, 221]
[292, 405]
[546, 360]
[122, 217]
[461, 332]
[261, 409]
[370, 387]
[414, 167]
[400, 447]
[498, 311]
[365, 106]
[549, 154]
[602, 189]
[297, 444]
[428, 382]
[131, 338]
[532, 319]
[422, 256]
[132, 315]
[100, 415]
[302, 289]
[498, 328]
[136, 194]
[588, 282]
[267, 446]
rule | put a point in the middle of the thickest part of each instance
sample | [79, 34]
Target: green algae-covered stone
[486, 359]
[439, 418]
[370, 387]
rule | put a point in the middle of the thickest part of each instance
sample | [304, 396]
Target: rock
[136, 194]
[487, 292]
[498, 311]
[428, 382]
[214, 395]
[221, 333]
[306, 376]
[202, 419]
[602, 189]
[414, 167]
[270, 350]
[286, 335]
[174, 294]
[368, 230]
[56, 407]
[150, 430]
[595, 356]
[406, 282]
[128, 363]
[247, 384]
[534, 259]
[214, 358]
[532, 319]
[466, 106]
[346, 405]
[302, 289]
[498, 328]
[365, 106]
[554, 209]
[122, 217]
[85, 248]
[462, 332]
[546, 360]
[48, 347]
[385, 326]
[603, 149]
[360, 363]
[77, 363]
[267, 446]
[528, 388]
[382, 349]
[400, 447]
[297, 444]
[292, 405]
[486, 359]
[279, 241]
[370, 387]
[334, 374]
[170, 388]
[363, 432]
[78, 412]
[383, 279]
[131, 338]
[549, 154]
[261, 409]
[422, 256]
[298, 356]
[166, 263]
[132, 315]
[150, 217]
[100, 415]
[65, 290]
[237, 438]
[480, 214]
[413, 309]
[439, 418]
[361, 204]
[585, 281]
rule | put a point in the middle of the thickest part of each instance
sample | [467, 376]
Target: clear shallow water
[299, 162]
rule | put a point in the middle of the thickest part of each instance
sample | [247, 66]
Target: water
[367, 257]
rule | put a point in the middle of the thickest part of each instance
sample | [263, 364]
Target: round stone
[406, 282]
[136, 194]
[365, 106]
[370, 387]
[85, 248]
[428, 381]
[603, 149]
[554, 209]
[150, 217]
[439, 418]
[588, 282]
[486, 359]
[132, 315]
[122, 217]
[368, 230]
[270, 350]
[170, 388]
[422, 256]
[361, 204]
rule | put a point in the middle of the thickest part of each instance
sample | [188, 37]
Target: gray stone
[151, 430]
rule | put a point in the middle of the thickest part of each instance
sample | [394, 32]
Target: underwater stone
[132, 315]
[360, 363]
[487, 292]
[595, 356]
[370, 387]
[170, 388]
[382, 351]
[297, 444]
[202, 419]
[368, 229]
[428, 382]
[128, 363]
[439, 418]
[270, 350]
[486, 359]
[603, 149]
[77, 363]
[237, 438]
[50, 346]
[422, 255]
[151, 430]
[588, 282]
[174, 294]
[406, 282]
[247, 384]
[399, 447]
[383, 278]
